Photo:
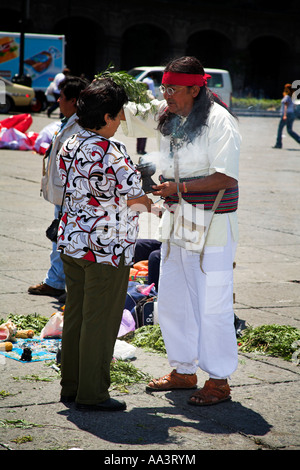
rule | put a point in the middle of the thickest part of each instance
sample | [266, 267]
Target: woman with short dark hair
[97, 236]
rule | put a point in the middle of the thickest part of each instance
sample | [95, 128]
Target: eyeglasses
[169, 90]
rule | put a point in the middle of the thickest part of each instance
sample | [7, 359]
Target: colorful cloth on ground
[42, 350]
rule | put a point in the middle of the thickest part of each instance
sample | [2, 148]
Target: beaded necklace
[178, 135]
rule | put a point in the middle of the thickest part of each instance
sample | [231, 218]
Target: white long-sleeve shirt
[217, 149]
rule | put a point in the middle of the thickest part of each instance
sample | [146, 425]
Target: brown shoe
[211, 394]
[172, 381]
[44, 289]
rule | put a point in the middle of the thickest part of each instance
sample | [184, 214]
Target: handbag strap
[65, 185]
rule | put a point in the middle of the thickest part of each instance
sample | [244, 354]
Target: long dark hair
[198, 116]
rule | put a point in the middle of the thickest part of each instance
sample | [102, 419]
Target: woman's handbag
[52, 230]
[191, 224]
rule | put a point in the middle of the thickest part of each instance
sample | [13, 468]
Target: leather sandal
[172, 381]
[210, 394]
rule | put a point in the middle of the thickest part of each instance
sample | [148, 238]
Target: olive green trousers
[96, 295]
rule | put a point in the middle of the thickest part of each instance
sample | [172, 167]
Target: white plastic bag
[123, 350]
[53, 329]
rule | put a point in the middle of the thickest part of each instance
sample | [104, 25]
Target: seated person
[149, 249]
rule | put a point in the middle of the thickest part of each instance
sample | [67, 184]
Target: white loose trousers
[195, 309]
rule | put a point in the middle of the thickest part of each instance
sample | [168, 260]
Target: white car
[219, 83]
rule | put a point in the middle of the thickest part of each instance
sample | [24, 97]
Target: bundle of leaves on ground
[123, 374]
[149, 338]
[273, 340]
[23, 322]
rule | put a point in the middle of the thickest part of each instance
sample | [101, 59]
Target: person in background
[141, 141]
[287, 112]
[96, 237]
[149, 80]
[52, 188]
[59, 77]
[149, 249]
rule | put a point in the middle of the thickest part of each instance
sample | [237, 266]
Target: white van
[219, 83]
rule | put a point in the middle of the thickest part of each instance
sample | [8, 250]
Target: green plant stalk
[150, 338]
[124, 373]
[18, 423]
[135, 91]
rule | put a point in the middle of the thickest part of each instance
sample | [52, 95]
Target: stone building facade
[257, 41]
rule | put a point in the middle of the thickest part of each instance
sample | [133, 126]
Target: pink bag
[127, 323]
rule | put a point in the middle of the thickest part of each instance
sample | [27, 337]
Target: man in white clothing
[195, 306]
[59, 77]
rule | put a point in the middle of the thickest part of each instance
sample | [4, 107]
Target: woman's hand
[165, 189]
[140, 204]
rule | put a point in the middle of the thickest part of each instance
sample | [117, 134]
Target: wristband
[184, 187]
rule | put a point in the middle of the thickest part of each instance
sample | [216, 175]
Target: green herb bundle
[273, 340]
[150, 338]
[123, 374]
[24, 322]
[136, 91]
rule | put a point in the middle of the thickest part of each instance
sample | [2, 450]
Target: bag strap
[218, 200]
[65, 185]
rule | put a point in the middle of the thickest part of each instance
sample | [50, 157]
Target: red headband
[185, 79]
